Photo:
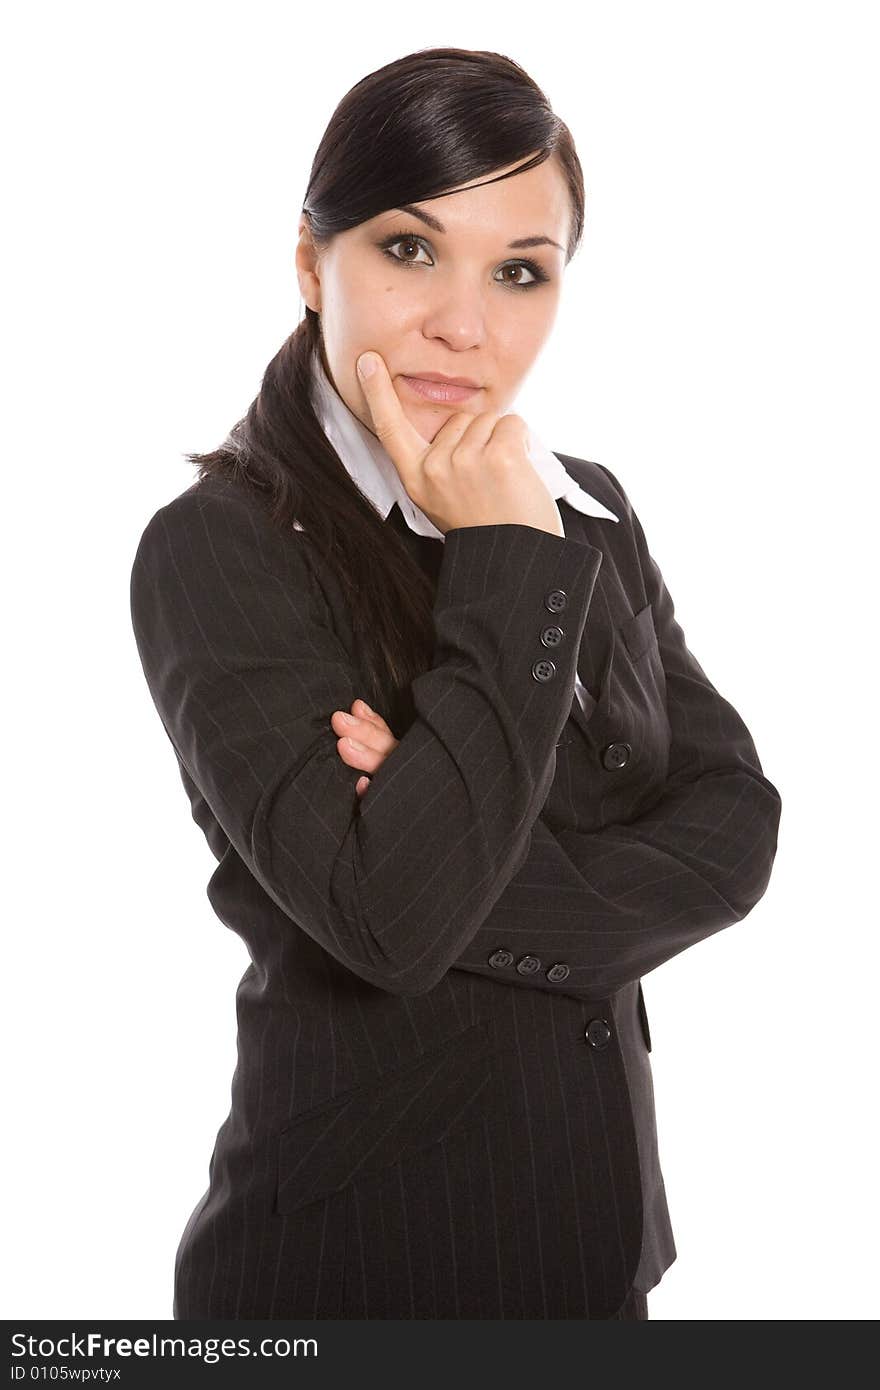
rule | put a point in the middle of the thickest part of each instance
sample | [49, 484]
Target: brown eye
[410, 243]
[520, 267]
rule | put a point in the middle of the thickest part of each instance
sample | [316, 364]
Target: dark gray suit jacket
[443, 1104]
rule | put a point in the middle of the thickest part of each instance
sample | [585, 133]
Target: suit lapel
[427, 551]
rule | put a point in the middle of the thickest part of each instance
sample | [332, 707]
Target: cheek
[372, 303]
[522, 330]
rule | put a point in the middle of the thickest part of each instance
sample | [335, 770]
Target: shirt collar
[370, 465]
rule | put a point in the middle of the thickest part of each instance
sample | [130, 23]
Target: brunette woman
[443, 1104]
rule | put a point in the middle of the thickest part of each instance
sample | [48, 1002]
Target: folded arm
[245, 670]
[614, 903]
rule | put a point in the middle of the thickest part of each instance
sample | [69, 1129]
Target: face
[456, 299]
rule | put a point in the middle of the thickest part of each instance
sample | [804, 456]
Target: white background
[717, 349]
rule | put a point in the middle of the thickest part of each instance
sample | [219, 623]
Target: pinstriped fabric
[420, 1126]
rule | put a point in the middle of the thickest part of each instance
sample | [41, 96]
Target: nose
[456, 315]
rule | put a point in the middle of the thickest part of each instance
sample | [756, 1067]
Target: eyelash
[541, 276]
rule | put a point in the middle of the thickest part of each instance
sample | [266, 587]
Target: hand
[477, 470]
[370, 731]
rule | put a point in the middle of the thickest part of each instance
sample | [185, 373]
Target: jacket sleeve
[245, 669]
[614, 903]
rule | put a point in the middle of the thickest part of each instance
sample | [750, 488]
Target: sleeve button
[501, 957]
[560, 971]
[544, 670]
[527, 965]
[556, 600]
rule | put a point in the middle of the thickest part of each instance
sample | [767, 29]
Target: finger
[361, 710]
[510, 430]
[399, 436]
[366, 731]
[362, 784]
[475, 434]
[355, 754]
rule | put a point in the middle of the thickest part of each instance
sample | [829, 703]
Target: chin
[427, 422]
[428, 419]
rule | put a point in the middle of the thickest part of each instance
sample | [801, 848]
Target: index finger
[401, 439]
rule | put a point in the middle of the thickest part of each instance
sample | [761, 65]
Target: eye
[529, 269]
[411, 242]
[403, 240]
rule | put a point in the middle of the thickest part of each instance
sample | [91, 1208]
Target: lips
[441, 389]
[445, 380]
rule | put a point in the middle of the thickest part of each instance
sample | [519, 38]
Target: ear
[307, 266]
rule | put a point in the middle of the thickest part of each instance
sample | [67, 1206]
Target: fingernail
[366, 364]
[354, 743]
[349, 718]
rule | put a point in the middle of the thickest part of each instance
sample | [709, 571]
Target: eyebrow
[437, 225]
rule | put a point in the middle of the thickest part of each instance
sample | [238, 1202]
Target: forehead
[526, 205]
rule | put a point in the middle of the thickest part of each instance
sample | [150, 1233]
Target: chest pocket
[639, 634]
[613, 757]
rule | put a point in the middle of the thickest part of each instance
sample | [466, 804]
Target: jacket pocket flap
[384, 1121]
[638, 632]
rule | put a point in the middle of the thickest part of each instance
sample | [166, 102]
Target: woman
[443, 1104]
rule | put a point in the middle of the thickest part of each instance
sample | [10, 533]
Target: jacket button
[527, 965]
[559, 972]
[552, 636]
[556, 600]
[501, 957]
[598, 1033]
[616, 754]
[544, 670]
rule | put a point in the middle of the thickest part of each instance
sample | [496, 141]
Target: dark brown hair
[410, 131]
